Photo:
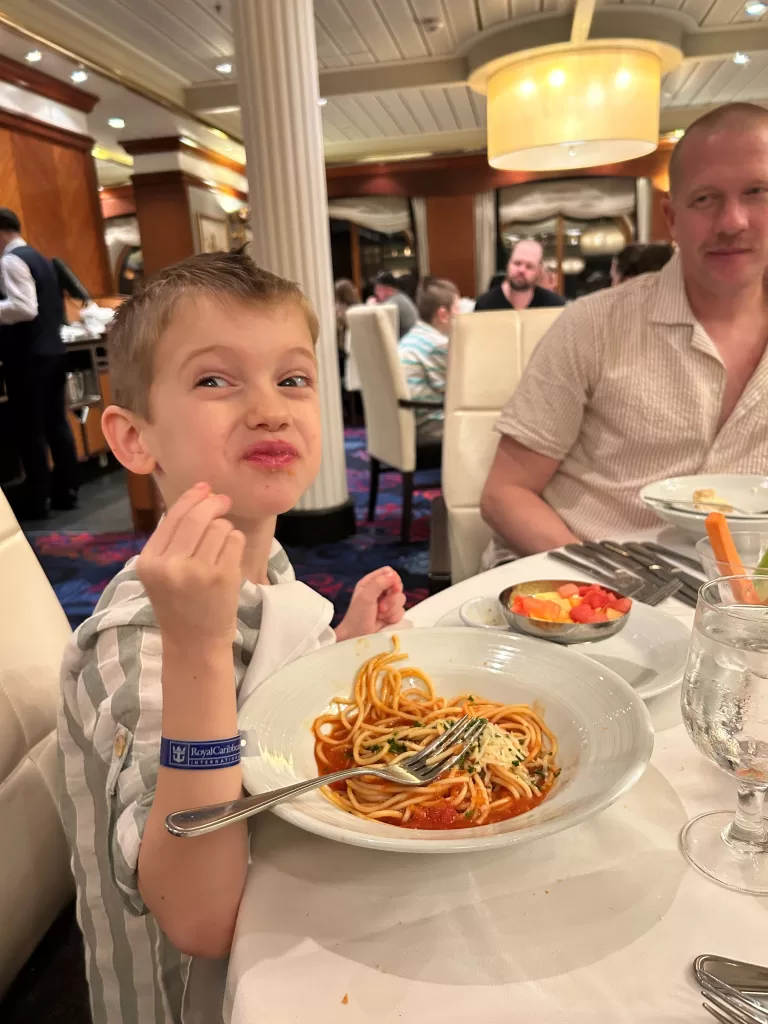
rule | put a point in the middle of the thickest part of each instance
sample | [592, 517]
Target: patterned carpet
[79, 565]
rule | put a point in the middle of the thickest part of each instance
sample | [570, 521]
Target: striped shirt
[109, 745]
[423, 354]
[626, 388]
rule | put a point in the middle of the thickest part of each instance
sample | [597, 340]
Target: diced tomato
[568, 590]
[583, 613]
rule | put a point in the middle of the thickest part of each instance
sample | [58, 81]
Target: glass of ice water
[725, 710]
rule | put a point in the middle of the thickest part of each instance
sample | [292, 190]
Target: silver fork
[729, 1005]
[417, 770]
[660, 593]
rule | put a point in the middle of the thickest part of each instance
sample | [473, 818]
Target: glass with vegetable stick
[724, 705]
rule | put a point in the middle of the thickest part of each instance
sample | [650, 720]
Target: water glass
[725, 709]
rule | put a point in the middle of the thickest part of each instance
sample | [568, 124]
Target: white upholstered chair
[35, 878]
[486, 358]
[389, 417]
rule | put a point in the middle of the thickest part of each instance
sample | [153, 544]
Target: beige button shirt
[625, 388]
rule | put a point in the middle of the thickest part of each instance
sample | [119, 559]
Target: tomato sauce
[440, 814]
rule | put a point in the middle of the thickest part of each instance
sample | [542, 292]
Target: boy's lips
[271, 454]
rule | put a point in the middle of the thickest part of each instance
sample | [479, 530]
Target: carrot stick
[725, 552]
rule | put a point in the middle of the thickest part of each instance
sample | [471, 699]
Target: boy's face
[234, 402]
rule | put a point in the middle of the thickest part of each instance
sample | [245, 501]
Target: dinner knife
[694, 582]
[687, 594]
[692, 563]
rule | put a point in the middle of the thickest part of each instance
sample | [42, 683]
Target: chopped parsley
[470, 813]
[396, 748]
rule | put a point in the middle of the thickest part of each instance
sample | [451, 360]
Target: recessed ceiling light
[430, 24]
[741, 58]
[225, 68]
[116, 122]
[79, 75]
[322, 101]
[755, 8]
[33, 56]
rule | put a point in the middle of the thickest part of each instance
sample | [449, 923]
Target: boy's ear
[125, 436]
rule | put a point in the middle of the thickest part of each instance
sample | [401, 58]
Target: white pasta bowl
[603, 730]
[740, 490]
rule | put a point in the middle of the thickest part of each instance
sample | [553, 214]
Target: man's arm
[20, 303]
[511, 502]
[539, 425]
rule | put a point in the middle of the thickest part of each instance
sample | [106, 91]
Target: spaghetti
[393, 713]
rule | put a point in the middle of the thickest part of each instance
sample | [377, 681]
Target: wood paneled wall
[48, 177]
[451, 240]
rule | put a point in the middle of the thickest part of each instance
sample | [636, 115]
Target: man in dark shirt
[519, 290]
[387, 291]
[32, 356]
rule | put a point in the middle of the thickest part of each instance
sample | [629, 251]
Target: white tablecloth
[597, 924]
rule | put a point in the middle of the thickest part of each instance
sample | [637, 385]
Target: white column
[644, 194]
[276, 67]
[419, 207]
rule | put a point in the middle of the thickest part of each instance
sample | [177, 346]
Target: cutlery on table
[650, 569]
[420, 768]
[621, 561]
[626, 583]
[694, 582]
[659, 549]
[631, 586]
[731, 987]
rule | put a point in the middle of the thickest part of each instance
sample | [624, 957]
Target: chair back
[486, 358]
[35, 878]
[391, 430]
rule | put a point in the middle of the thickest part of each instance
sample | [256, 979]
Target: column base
[321, 526]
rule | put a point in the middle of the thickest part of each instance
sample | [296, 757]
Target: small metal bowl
[558, 632]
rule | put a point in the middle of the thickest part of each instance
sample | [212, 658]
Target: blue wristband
[203, 754]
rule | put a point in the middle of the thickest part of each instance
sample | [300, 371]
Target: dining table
[594, 924]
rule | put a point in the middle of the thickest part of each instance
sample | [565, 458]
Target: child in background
[215, 383]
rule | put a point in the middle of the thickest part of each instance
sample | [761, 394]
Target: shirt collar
[426, 328]
[15, 243]
[670, 304]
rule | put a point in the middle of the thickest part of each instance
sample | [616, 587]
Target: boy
[423, 353]
[215, 383]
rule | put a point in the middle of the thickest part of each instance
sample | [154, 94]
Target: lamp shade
[574, 108]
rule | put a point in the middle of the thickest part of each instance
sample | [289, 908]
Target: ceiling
[368, 50]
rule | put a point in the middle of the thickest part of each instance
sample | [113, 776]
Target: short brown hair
[436, 295]
[737, 115]
[142, 319]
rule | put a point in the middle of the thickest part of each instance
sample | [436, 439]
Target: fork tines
[458, 733]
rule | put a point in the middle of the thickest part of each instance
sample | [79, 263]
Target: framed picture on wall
[214, 235]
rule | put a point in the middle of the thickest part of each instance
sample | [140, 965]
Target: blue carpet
[79, 565]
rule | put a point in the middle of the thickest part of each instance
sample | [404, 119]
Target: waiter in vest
[32, 354]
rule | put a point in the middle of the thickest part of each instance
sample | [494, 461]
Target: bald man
[519, 290]
[665, 376]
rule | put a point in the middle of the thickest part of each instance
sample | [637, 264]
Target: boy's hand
[191, 570]
[377, 602]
